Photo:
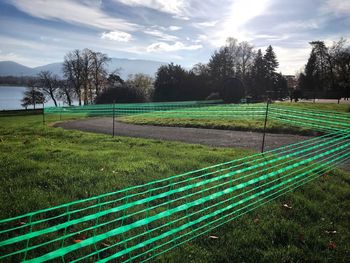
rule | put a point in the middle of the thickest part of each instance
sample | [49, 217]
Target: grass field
[43, 166]
[228, 123]
[319, 106]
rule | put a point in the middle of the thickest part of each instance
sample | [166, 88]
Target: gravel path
[211, 137]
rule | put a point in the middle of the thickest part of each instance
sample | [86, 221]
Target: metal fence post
[59, 105]
[113, 117]
[43, 113]
[264, 132]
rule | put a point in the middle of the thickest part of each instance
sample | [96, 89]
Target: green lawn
[221, 124]
[318, 106]
[244, 123]
[43, 166]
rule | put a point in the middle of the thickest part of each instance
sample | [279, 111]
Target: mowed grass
[245, 123]
[317, 106]
[42, 166]
[221, 124]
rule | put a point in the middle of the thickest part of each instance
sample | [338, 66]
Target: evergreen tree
[281, 86]
[323, 65]
[325, 72]
[310, 80]
[271, 64]
[257, 77]
[170, 83]
[221, 67]
[270, 60]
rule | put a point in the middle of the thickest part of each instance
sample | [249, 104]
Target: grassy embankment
[244, 123]
[44, 166]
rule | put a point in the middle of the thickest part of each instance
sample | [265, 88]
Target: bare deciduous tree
[32, 95]
[98, 70]
[65, 91]
[142, 84]
[48, 85]
[86, 72]
[246, 56]
[73, 71]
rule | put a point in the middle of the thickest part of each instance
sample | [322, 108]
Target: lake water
[10, 98]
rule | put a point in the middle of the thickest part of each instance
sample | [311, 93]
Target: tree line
[234, 71]
[327, 71]
[86, 81]
[239, 60]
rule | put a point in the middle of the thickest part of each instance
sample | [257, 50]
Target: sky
[38, 32]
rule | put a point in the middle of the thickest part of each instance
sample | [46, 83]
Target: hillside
[124, 66]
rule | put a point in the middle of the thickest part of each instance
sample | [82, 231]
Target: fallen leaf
[256, 220]
[332, 245]
[79, 237]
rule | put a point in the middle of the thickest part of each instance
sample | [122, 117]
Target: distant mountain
[10, 68]
[55, 68]
[123, 65]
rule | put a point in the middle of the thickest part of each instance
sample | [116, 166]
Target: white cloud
[237, 15]
[291, 59]
[174, 28]
[341, 7]
[205, 24]
[49, 39]
[202, 37]
[8, 56]
[87, 13]
[160, 35]
[300, 25]
[165, 47]
[164, 28]
[117, 36]
[175, 7]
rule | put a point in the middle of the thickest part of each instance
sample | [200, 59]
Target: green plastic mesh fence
[139, 223]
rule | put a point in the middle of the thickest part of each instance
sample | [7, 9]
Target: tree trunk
[53, 98]
[86, 99]
[68, 98]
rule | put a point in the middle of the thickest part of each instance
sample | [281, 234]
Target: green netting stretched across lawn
[319, 120]
[125, 109]
[139, 223]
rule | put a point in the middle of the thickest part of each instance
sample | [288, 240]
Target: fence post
[59, 105]
[43, 113]
[264, 132]
[113, 116]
